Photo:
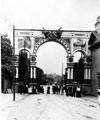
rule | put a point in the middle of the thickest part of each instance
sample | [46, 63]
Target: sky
[50, 14]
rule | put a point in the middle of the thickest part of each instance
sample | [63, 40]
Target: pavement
[18, 96]
[47, 107]
[90, 98]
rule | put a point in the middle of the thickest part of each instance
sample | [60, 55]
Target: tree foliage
[6, 59]
[52, 78]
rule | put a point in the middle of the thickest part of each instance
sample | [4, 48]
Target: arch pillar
[71, 45]
[32, 69]
[69, 69]
[70, 74]
[31, 75]
[17, 72]
[34, 73]
[87, 73]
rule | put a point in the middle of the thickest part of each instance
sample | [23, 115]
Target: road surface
[50, 107]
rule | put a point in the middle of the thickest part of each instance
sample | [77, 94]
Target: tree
[6, 59]
[52, 78]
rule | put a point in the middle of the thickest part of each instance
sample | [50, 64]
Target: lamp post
[33, 68]
[81, 62]
[14, 63]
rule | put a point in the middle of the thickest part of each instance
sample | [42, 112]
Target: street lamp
[14, 63]
[81, 61]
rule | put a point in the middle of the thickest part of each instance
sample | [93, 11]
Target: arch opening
[60, 41]
[51, 56]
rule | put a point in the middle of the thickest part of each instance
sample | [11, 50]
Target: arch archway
[51, 60]
[60, 41]
[71, 41]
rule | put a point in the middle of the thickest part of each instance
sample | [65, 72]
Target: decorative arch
[72, 41]
[60, 41]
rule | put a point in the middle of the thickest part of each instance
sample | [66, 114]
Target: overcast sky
[50, 14]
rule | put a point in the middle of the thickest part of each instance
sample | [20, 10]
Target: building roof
[94, 38]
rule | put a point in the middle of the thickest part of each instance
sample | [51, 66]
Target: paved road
[51, 107]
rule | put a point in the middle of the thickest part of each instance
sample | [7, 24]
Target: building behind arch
[94, 46]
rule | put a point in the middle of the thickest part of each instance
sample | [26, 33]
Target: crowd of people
[73, 90]
[31, 89]
[69, 90]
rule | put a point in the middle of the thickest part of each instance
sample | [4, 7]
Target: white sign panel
[23, 33]
[76, 34]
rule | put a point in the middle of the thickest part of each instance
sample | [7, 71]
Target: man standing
[48, 89]
[78, 91]
[74, 90]
[66, 89]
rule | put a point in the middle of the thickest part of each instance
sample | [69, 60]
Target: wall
[95, 69]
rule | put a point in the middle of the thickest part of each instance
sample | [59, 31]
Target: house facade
[94, 46]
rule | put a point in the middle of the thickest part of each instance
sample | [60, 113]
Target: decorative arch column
[87, 70]
[32, 69]
[70, 69]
